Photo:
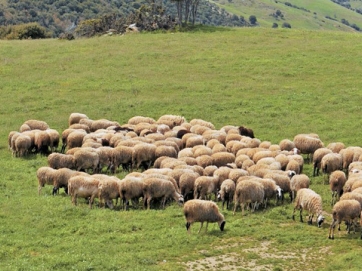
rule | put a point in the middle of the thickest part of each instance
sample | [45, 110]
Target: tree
[252, 19]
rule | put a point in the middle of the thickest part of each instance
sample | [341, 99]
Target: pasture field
[279, 82]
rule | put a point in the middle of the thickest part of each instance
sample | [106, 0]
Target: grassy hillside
[301, 14]
[278, 82]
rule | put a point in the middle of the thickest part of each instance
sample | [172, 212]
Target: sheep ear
[222, 225]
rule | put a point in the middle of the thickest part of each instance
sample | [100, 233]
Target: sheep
[42, 142]
[282, 180]
[310, 201]
[209, 170]
[246, 131]
[139, 119]
[352, 195]
[44, 176]
[54, 139]
[203, 123]
[299, 159]
[271, 190]
[76, 117]
[59, 160]
[163, 177]
[239, 160]
[86, 158]
[163, 150]
[219, 148]
[286, 145]
[188, 160]
[37, 125]
[22, 145]
[202, 211]
[204, 160]
[199, 129]
[336, 146]
[248, 191]
[297, 182]
[201, 150]
[74, 139]
[236, 173]
[171, 120]
[351, 179]
[131, 188]
[222, 173]
[347, 156]
[143, 153]
[307, 144]
[317, 158]
[337, 180]
[102, 124]
[283, 160]
[204, 186]
[108, 189]
[187, 183]
[222, 158]
[226, 193]
[83, 186]
[61, 178]
[345, 210]
[160, 188]
[331, 162]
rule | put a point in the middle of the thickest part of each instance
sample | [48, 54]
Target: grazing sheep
[76, 117]
[122, 155]
[86, 158]
[205, 161]
[22, 145]
[331, 162]
[84, 187]
[131, 188]
[236, 173]
[203, 123]
[244, 131]
[307, 144]
[160, 188]
[205, 186]
[337, 180]
[187, 184]
[283, 160]
[108, 189]
[248, 191]
[317, 159]
[345, 210]
[310, 201]
[37, 125]
[350, 180]
[78, 126]
[297, 182]
[202, 211]
[336, 146]
[139, 119]
[143, 153]
[61, 178]
[226, 193]
[102, 124]
[214, 134]
[209, 170]
[42, 142]
[271, 190]
[74, 139]
[164, 150]
[221, 159]
[219, 148]
[171, 120]
[199, 129]
[45, 175]
[59, 160]
[293, 165]
[352, 195]
[286, 145]
[53, 139]
[348, 155]
[282, 180]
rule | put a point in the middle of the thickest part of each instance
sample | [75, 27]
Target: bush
[286, 25]
[27, 31]
[275, 25]
[252, 19]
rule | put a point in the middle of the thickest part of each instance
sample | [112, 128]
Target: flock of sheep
[192, 163]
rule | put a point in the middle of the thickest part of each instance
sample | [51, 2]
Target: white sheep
[345, 210]
[248, 191]
[226, 193]
[87, 158]
[205, 186]
[131, 188]
[317, 158]
[297, 182]
[310, 201]
[76, 117]
[337, 180]
[307, 144]
[83, 186]
[331, 162]
[159, 188]
[59, 160]
[202, 211]
[143, 153]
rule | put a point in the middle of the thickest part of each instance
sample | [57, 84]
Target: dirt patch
[264, 256]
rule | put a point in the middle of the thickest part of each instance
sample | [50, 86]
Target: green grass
[278, 82]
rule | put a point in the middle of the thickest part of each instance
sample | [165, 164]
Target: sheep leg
[301, 214]
[310, 219]
[235, 206]
[149, 203]
[331, 229]
[202, 223]
[207, 224]
[91, 201]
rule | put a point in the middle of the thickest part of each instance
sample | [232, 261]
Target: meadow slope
[278, 82]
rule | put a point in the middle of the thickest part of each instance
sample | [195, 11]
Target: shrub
[275, 25]
[27, 31]
[252, 19]
[286, 25]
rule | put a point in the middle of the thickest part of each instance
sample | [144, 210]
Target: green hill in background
[60, 16]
